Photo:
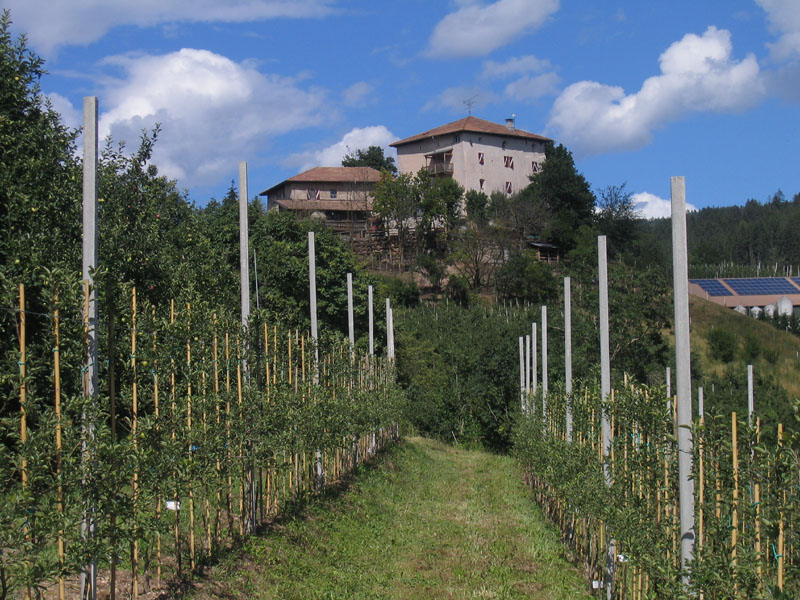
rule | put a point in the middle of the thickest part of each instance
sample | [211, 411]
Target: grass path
[428, 521]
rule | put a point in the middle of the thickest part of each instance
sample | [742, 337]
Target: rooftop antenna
[469, 102]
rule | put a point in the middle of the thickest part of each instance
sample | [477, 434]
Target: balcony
[440, 168]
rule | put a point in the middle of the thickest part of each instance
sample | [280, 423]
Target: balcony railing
[441, 168]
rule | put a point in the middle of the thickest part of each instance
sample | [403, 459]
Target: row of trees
[150, 235]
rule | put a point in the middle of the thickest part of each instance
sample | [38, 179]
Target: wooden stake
[757, 502]
[239, 404]
[173, 408]
[189, 433]
[60, 486]
[781, 524]
[134, 426]
[735, 513]
[155, 411]
[23, 403]
[229, 495]
[218, 464]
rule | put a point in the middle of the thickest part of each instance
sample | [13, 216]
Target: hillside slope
[779, 355]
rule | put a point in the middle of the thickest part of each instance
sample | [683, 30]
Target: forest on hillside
[758, 238]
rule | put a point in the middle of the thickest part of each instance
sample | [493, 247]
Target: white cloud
[50, 25]
[520, 65]
[455, 98]
[214, 112]
[535, 78]
[784, 18]
[70, 116]
[650, 206]
[476, 29]
[357, 94]
[359, 138]
[531, 88]
[697, 74]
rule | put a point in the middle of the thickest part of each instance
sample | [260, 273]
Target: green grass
[429, 521]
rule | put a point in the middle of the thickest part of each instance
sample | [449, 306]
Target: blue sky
[639, 91]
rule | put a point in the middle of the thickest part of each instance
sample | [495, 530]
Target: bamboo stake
[134, 426]
[189, 434]
[229, 494]
[203, 400]
[781, 523]
[218, 465]
[155, 411]
[23, 404]
[735, 513]
[173, 409]
[757, 502]
[60, 486]
[239, 408]
[702, 484]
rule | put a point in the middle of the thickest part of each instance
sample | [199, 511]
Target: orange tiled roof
[473, 124]
[338, 174]
[332, 175]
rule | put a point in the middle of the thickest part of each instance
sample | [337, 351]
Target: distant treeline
[758, 235]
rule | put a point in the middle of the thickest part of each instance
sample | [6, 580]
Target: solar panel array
[712, 287]
[795, 279]
[756, 286]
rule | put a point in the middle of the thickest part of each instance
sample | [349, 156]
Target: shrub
[523, 277]
[752, 349]
[723, 344]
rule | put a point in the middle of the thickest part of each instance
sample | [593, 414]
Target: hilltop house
[341, 196]
[478, 154]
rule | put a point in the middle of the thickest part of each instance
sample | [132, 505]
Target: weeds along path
[427, 521]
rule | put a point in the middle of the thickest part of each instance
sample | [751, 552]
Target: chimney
[510, 123]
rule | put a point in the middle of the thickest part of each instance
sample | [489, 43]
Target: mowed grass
[427, 521]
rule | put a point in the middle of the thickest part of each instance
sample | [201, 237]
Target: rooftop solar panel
[756, 286]
[712, 287]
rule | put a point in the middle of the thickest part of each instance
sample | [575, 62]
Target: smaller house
[340, 196]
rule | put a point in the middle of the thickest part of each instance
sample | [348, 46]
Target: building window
[312, 194]
[480, 183]
[508, 187]
[535, 166]
[480, 158]
[333, 194]
[508, 162]
[456, 138]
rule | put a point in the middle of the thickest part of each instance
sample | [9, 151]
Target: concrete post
[750, 399]
[700, 402]
[350, 323]
[527, 364]
[389, 331]
[605, 390]
[680, 270]
[312, 292]
[605, 361]
[534, 363]
[544, 362]
[371, 323]
[568, 354]
[522, 374]
[244, 256]
[669, 384]
[88, 581]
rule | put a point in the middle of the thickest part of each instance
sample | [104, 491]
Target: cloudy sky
[639, 91]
